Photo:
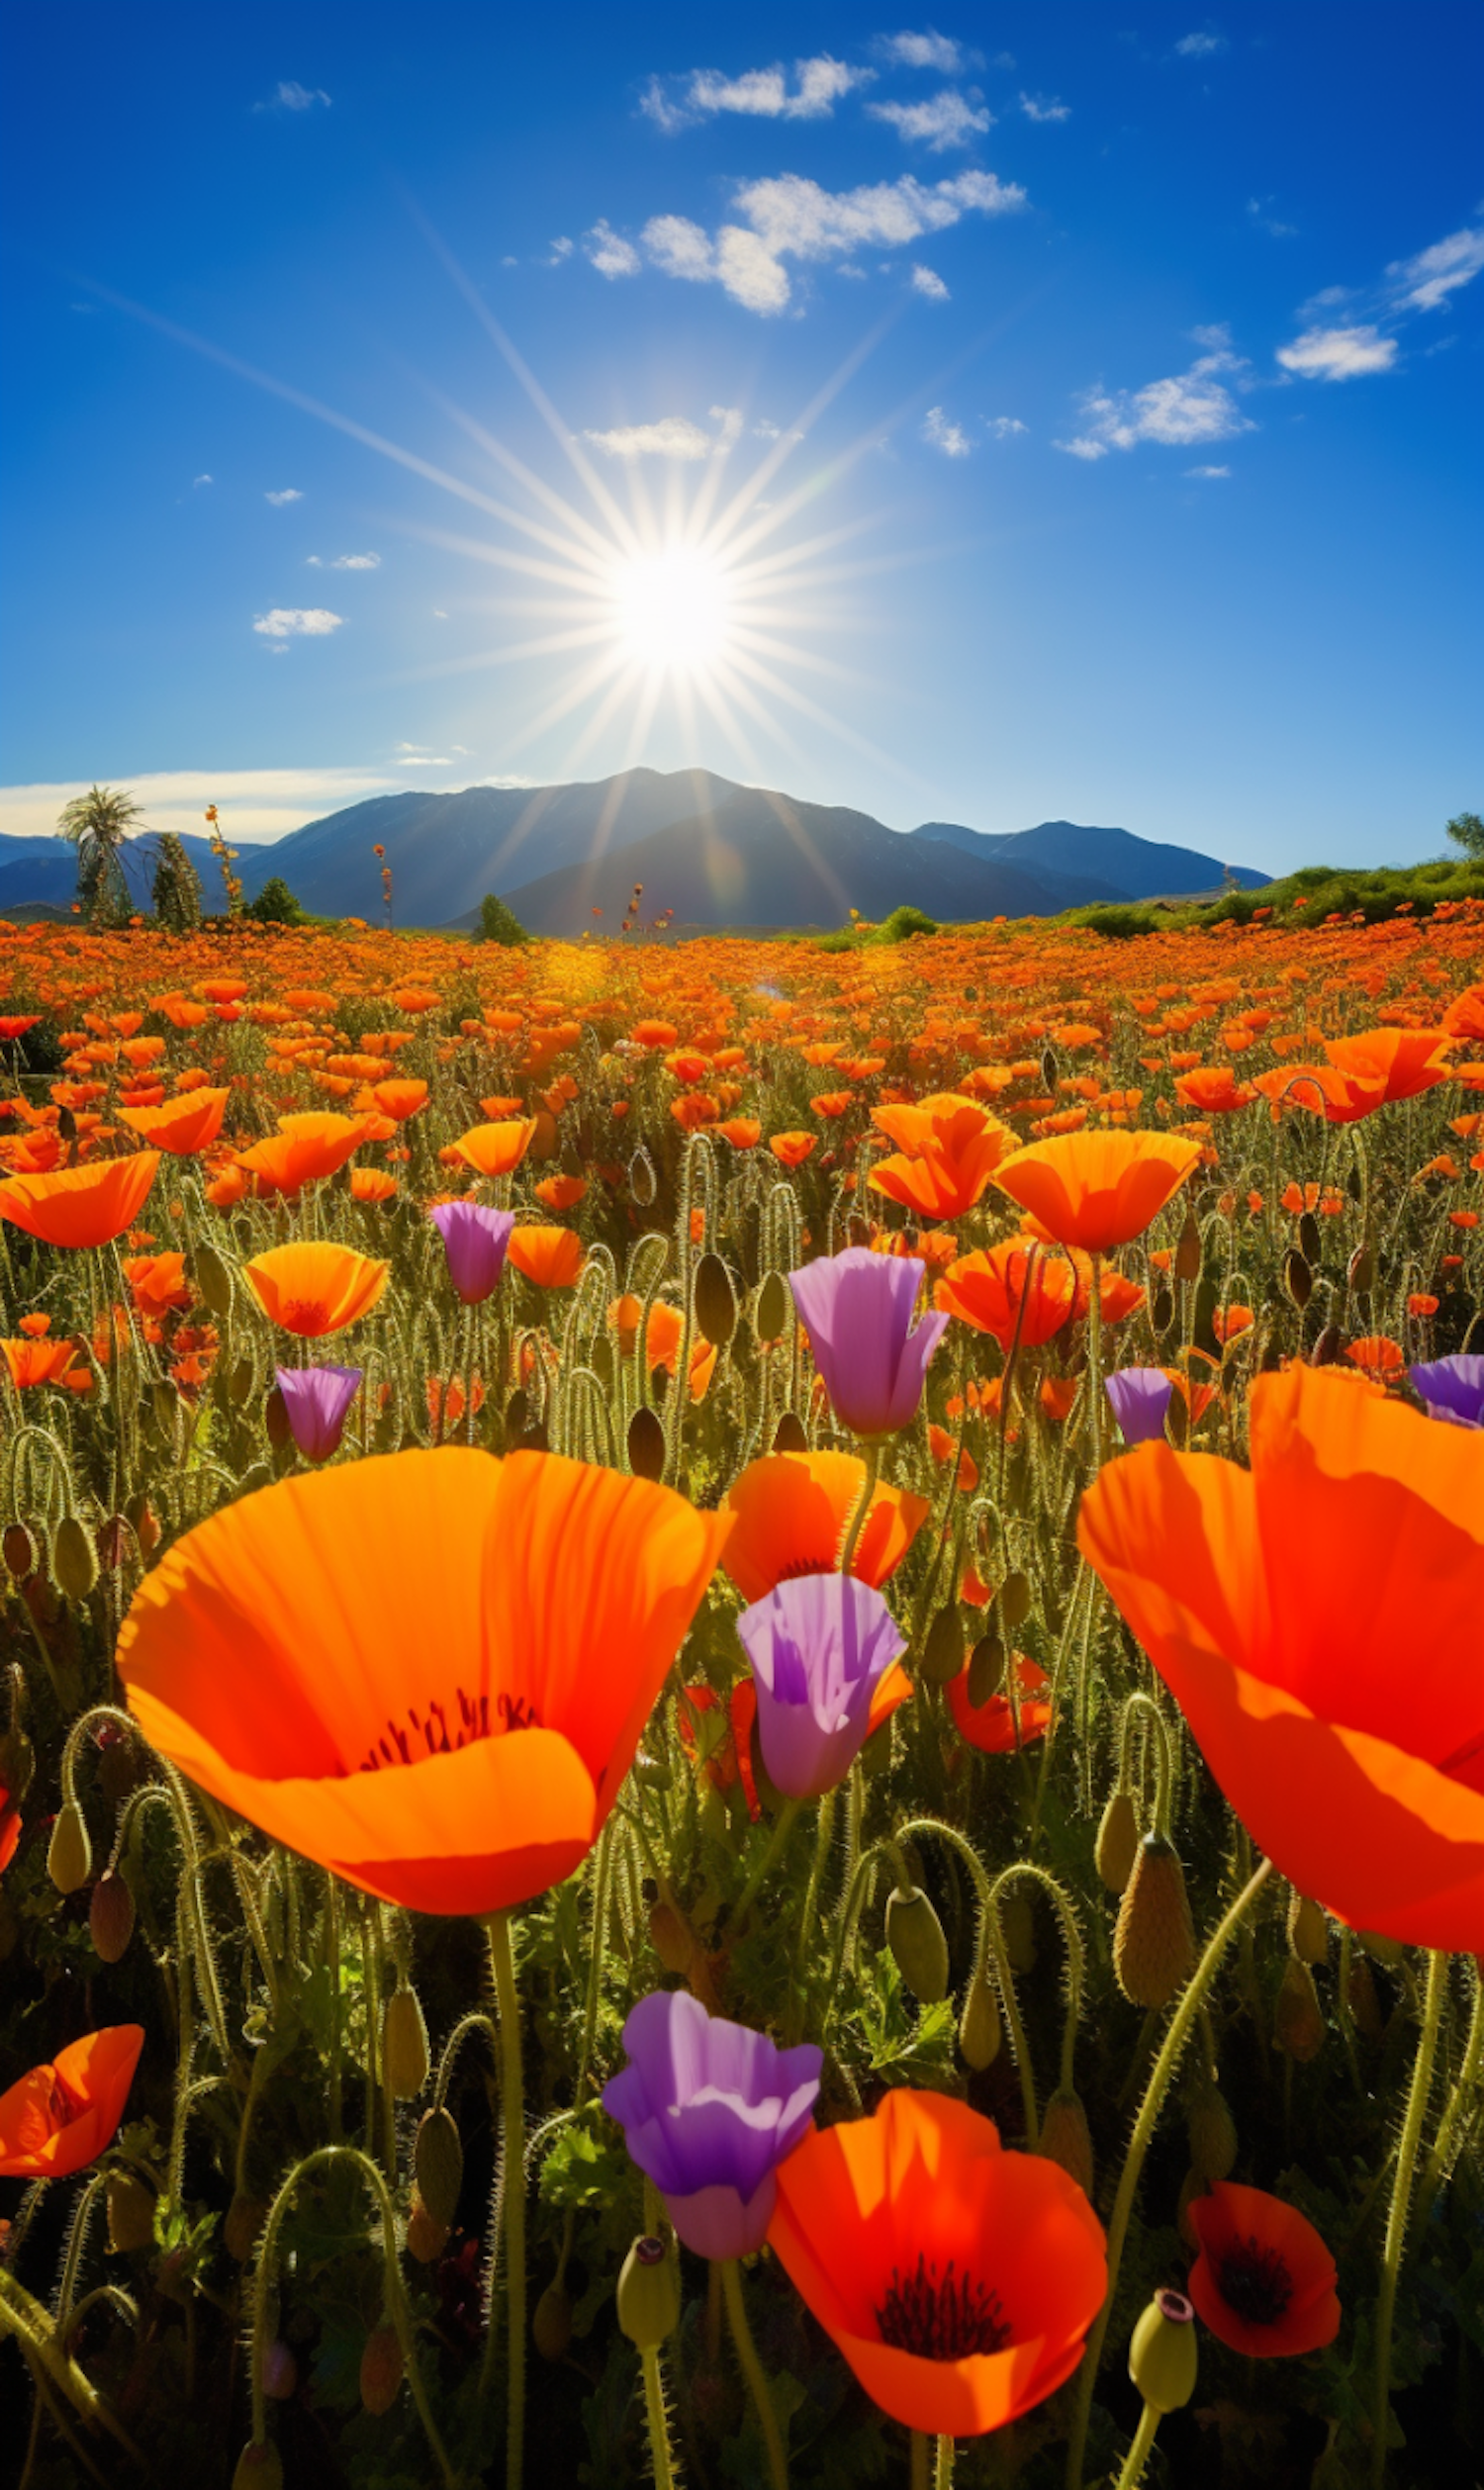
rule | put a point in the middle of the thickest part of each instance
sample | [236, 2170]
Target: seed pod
[1298, 1277]
[1212, 2131]
[1362, 1270]
[70, 1854]
[1153, 1944]
[1309, 1239]
[1162, 1308]
[771, 1312]
[1327, 1347]
[642, 1180]
[425, 2238]
[382, 2369]
[1188, 1252]
[1118, 1841]
[987, 1667]
[646, 1444]
[788, 1435]
[276, 1421]
[919, 1948]
[648, 2295]
[74, 1558]
[671, 1938]
[240, 1381]
[438, 2164]
[19, 1550]
[551, 2326]
[404, 2045]
[980, 2030]
[131, 2214]
[1364, 2002]
[1163, 2353]
[1298, 2021]
[213, 1279]
[246, 2216]
[1049, 1068]
[1065, 2136]
[111, 1917]
[259, 2467]
[1012, 1601]
[1308, 1930]
[943, 1647]
[714, 1300]
[1017, 1923]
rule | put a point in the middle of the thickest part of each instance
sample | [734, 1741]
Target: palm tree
[98, 825]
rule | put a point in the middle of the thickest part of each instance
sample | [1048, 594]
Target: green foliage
[276, 904]
[98, 824]
[1305, 897]
[499, 924]
[901, 925]
[176, 888]
[1466, 830]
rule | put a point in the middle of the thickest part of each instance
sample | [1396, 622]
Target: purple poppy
[1141, 1398]
[318, 1401]
[857, 1308]
[1452, 1388]
[475, 1240]
[709, 2110]
[818, 1646]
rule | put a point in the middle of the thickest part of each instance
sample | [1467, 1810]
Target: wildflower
[318, 1402]
[59, 2117]
[1263, 2281]
[305, 1149]
[793, 1148]
[34, 1361]
[314, 1288]
[1013, 1285]
[495, 1149]
[551, 1257]
[1097, 1191]
[822, 1649]
[1452, 1388]
[182, 1126]
[857, 1308]
[791, 1511]
[82, 1206]
[949, 1148]
[991, 1726]
[474, 1242]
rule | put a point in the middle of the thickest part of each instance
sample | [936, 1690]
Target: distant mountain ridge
[711, 851]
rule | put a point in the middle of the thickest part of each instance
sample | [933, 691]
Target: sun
[674, 610]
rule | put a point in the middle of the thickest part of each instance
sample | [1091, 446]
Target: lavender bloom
[709, 2110]
[475, 1240]
[1141, 1398]
[1453, 1389]
[857, 1308]
[818, 1646]
[318, 1401]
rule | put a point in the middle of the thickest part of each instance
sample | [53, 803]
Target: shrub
[499, 924]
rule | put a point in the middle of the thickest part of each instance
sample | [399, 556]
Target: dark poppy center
[432, 1732]
[941, 2316]
[1255, 2281]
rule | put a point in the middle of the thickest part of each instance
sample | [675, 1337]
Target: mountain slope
[1141, 869]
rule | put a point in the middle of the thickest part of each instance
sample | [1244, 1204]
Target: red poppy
[58, 2118]
[995, 1290]
[182, 1126]
[991, 1726]
[80, 1206]
[1264, 2280]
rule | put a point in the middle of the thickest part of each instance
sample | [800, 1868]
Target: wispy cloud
[290, 97]
[1338, 354]
[609, 253]
[1044, 107]
[673, 436]
[939, 433]
[1259, 211]
[816, 87]
[1194, 406]
[1358, 338]
[1210, 472]
[280, 500]
[1004, 428]
[356, 562]
[791, 218]
[1425, 283]
[949, 120]
[197, 480]
[1200, 47]
[298, 622]
[927, 281]
[926, 51]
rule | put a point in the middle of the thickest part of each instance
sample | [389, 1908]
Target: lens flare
[674, 610]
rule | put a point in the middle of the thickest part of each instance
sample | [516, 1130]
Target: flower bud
[1162, 1308]
[1308, 1930]
[404, 2045]
[22, 1556]
[979, 2032]
[131, 2213]
[714, 1300]
[1013, 1601]
[438, 2164]
[74, 1559]
[1017, 1925]
[1327, 1347]
[213, 1279]
[1065, 2136]
[69, 1855]
[769, 1318]
[788, 1435]
[943, 1649]
[1298, 2017]
[1298, 1278]
[1365, 2004]
[1188, 1252]
[646, 1444]
[1213, 2135]
[382, 2369]
[1310, 1246]
[259, 2467]
[164, 1401]
[919, 1948]
[551, 2326]
[1362, 1270]
[111, 1917]
[648, 2295]
[987, 1667]
[1153, 1944]
[1118, 1841]
[426, 2237]
[1162, 2354]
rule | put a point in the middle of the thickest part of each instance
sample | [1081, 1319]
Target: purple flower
[857, 1308]
[709, 2110]
[1141, 1397]
[317, 1400]
[475, 1240]
[819, 1646]
[1453, 1389]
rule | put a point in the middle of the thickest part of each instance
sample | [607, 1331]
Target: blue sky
[1012, 414]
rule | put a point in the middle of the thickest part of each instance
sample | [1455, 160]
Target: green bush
[499, 924]
[276, 904]
[901, 925]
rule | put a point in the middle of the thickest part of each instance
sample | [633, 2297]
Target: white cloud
[1423, 283]
[290, 97]
[948, 120]
[1338, 354]
[674, 436]
[1004, 428]
[562, 247]
[255, 803]
[923, 52]
[939, 433]
[765, 94]
[424, 761]
[1193, 406]
[1044, 108]
[1258, 211]
[927, 281]
[195, 480]
[608, 252]
[1200, 47]
[1210, 472]
[280, 500]
[298, 622]
[356, 562]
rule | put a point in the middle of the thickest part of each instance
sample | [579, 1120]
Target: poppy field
[742, 1732]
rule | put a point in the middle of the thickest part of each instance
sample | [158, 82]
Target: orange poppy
[990, 1290]
[32, 1361]
[495, 1149]
[1405, 1062]
[314, 1288]
[304, 1149]
[1376, 1354]
[428, 1671]
[400, 1098]
[791, 1511]
[549, 1256]
[1117, 1296]
[1213, 1089]
[1264, 2280]
[791, 1149]
[58, 2118]
[951, 1146]
[371, 1184]
[990, 1725]
[1320, 1621]
[182, 1126]
[561, 1193]
[1097, 1191]
[957, 2280]
[231, 1185]
[742, 1130]
[80, 1206]
[662, 1341]
[158, 1282]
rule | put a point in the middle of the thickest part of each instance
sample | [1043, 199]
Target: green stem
[942, 2477]
[1138, 2454]
[1095, 1363]
[752, 2370]
[659, 2427]
[858, 1519]
[1400, 2203]
[922, 2450]
[1139, 2143]
[1459, 2101]
[783, 1826]
[512, 2118]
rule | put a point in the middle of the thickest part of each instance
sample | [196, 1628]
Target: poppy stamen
[430, 1734]
[1255, 2282]
[952, 2319]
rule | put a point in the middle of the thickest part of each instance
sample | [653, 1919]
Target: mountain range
[709, 851]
